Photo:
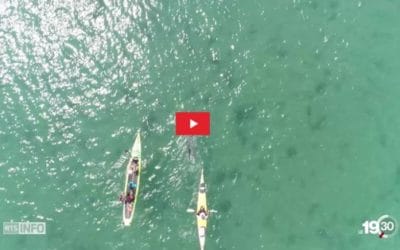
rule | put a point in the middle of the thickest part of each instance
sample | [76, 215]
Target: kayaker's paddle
[144, 165]
[190, 210]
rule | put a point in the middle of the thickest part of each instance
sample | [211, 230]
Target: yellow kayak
[202, 212]
[133, 170]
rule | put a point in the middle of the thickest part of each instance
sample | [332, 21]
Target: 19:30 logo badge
[384, 227]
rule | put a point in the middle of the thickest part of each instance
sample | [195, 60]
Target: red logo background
[182, 123]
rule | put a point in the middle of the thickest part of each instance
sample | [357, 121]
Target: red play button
[192, 123]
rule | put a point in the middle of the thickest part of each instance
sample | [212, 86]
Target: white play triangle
[193, 123]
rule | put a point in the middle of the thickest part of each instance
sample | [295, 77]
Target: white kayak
[131, 191]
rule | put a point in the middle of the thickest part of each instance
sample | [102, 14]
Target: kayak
[202, 212]
[133, 171]
[202, 207]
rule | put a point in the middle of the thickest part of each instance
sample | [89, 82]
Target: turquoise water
[304, 103]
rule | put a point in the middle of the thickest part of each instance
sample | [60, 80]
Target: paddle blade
[190, 210]
[144, 165]
[213, 211]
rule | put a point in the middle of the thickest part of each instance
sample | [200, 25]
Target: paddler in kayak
[131, 171]
[130, 197]
[202, 213]
[132, 185]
